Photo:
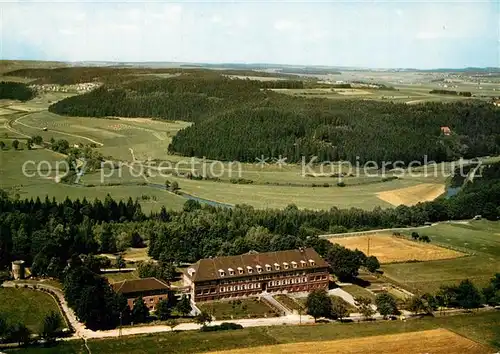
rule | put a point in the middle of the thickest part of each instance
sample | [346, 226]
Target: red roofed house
[254, 273]
[151, 290]
[446, 130]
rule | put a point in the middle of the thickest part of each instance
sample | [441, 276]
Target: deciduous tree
[319, 304]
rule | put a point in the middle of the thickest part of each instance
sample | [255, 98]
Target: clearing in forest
[389, 249]
[412, 195]
[434, 341]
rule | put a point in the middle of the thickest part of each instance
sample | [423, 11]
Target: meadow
[27, 306]
[478, 238]
[439, 341]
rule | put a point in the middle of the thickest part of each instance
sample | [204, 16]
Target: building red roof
[242, 265]
[139, 285]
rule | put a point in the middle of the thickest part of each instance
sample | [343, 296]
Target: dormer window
[276, 266]
[311, 262]
[268, 267]
[294, 264]
[249, 270]
[240, 270]
[191, 272]
[303, 263]
[259, 268]
[231, 271]
[285, 265]
[222, 272]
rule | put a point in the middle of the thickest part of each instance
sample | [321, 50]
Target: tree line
[82, 74]
[452, 92]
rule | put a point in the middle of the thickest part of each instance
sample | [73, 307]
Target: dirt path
[18, 121]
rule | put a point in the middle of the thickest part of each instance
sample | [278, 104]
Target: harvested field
[432, 341]
[412, 195]
[389, 249]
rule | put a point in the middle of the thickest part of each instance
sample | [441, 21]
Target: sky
[375, 34]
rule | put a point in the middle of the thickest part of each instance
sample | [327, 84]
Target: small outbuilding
[446, 130]
[18, 271]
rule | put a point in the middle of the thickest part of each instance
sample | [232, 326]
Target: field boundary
[464, 250]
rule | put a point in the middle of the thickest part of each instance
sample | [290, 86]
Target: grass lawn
[481, 327]
[233, 309]
[480, 238]
[358, 291]
[26, 306]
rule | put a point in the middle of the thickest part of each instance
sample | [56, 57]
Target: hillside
[245, 121]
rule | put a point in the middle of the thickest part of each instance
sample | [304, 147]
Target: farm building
[151, 290]
[446, 130]
[255, 273]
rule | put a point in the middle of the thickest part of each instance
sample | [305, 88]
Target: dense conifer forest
[15, 91]
[62, 240]
[242, 119]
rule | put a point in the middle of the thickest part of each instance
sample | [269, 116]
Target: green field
[479, 238]
[26, 306]
[131, 139]
[483, 328]
[244, 308]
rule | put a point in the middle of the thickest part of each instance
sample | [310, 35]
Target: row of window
[268, 267]
[239, 287]
[264, 277]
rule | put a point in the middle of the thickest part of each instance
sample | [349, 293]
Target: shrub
[224, 326]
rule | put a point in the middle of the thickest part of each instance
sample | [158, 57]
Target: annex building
[151, 290]
[254, 273]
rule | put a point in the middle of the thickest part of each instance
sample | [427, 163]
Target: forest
[15, 91]
[83, 74]
[245, 119]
